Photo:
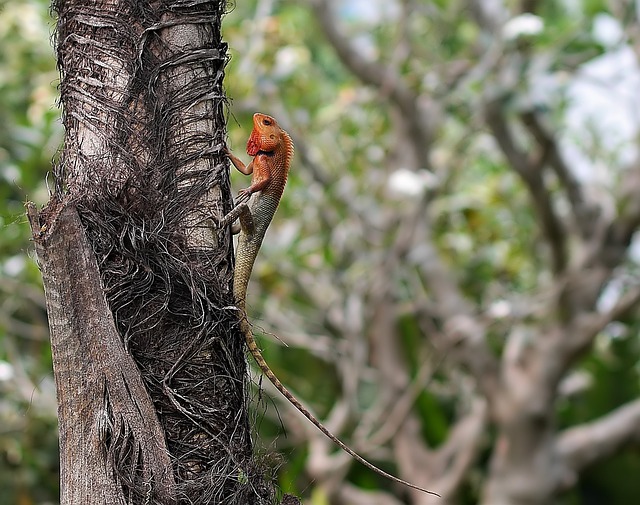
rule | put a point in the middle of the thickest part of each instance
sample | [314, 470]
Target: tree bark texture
[102, 401]
[148, 361]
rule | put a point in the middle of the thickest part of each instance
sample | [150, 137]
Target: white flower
[524, 24]
[607, 30]
[14, 265]
[407, 182]
[499, 309]
[6, 371]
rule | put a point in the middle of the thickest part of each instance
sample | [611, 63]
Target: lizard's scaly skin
[272, 150]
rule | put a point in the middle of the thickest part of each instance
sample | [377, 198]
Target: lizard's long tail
[257, 355]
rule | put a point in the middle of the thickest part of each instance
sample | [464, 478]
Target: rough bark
[101, 396]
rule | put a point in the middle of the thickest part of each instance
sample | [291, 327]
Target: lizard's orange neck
[287, 146]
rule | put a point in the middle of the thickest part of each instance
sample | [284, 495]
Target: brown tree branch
[584, 212]
[530, 173]
[588, 443]
[399, 412]
[460, 451]
[615, 241]
[463, 334]
[417, 112]
[607, 250]
[489, 14]
[587, 326]
[539, 371]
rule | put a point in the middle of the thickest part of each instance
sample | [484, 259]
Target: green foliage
[29, 136]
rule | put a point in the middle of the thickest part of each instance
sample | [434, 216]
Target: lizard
[272, 150]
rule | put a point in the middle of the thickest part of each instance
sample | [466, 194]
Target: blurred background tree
[453, 269]
[29, 137]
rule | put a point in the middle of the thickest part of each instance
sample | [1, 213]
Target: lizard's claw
[243, 196]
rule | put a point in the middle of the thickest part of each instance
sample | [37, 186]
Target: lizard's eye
[266, 122]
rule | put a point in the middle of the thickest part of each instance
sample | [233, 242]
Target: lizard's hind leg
[241, 212]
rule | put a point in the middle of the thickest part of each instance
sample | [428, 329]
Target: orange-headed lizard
[272, 150]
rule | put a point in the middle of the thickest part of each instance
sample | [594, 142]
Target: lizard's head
[266, 134]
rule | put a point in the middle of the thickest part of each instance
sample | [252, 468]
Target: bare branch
[530, 174]
[463, 333]
[461, 449]
[369, 72]
[402, 408]
[564, 344]
[617, 238]
[416, 112]
[489, 14]
[588, 326]
[446, 468]
[584, 212]
[591, 442]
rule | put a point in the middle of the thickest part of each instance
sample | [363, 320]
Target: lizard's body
[272, 151]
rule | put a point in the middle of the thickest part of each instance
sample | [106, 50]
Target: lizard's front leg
[238, 163]
[241, 209]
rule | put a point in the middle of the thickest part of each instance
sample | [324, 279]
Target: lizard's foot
[243, 196]
[241, 211]
[220, 223]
